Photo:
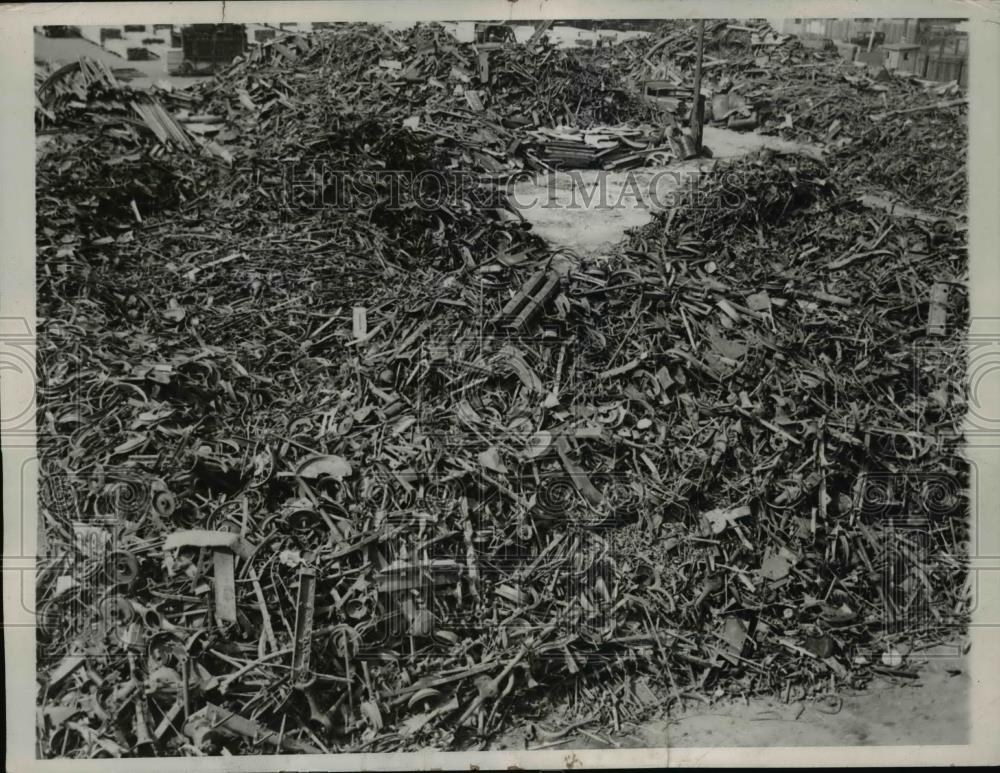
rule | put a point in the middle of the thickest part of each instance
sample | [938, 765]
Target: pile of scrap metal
[85, 96]
[758, 79]
[730, 46]
[426, 80]
[605, 147]
[327, 471]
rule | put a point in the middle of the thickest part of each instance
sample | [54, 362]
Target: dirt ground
[932, 709]
[573, 211]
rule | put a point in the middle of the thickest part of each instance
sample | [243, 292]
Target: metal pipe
[697, 110]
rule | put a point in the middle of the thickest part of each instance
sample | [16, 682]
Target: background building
[941, 45]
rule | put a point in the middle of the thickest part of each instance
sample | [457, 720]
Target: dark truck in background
[60, 31]
[861, 39]
[201, 49]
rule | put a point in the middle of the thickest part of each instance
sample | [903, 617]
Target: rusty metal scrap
[327, 470]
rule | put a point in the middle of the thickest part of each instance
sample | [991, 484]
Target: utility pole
[697, 114]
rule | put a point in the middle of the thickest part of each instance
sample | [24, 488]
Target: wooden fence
[949, 68]
[943, 54]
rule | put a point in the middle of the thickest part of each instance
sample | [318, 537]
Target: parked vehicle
[862, 39]
[204, 48]
[494, 33]
[60, 31]
[819, 44]
[669, 97]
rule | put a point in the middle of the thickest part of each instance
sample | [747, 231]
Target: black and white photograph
[502, 384]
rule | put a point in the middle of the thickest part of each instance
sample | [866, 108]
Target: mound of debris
[372, 475]
[896, 133]
[288, 94]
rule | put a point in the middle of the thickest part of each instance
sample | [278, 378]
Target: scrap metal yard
[399, 392]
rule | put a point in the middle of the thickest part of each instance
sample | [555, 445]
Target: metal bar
[305, 610]
[696, 108]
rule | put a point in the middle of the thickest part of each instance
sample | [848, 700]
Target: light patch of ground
[588, 211]
[932, 710]
[725, 143]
